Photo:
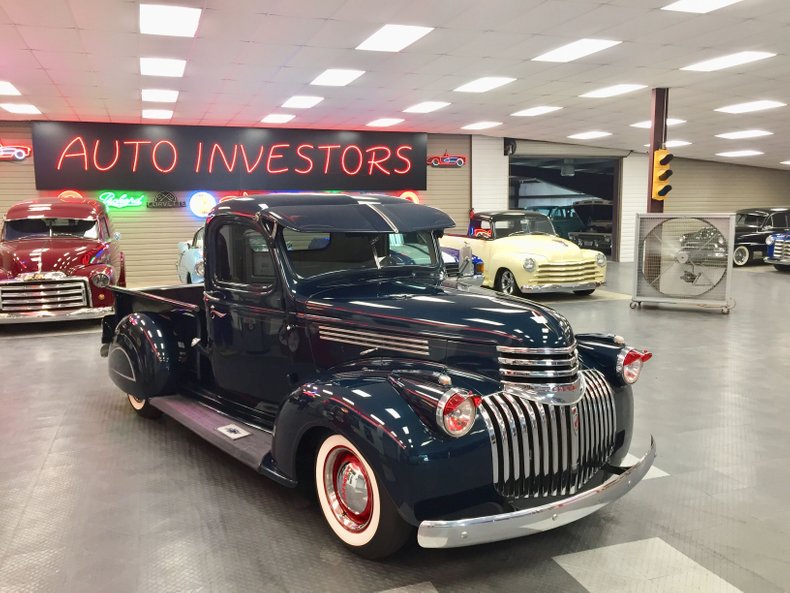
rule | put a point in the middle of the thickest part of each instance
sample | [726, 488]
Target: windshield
[522, 225]
[50, 227]
[749, 220]
[313, 254]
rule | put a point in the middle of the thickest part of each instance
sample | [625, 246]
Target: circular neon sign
[201, 203]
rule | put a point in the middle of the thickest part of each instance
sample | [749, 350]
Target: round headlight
[200, 268]
[721, 240]
[629, 363]
[770, 240]
[100, 280]
[456, 412]
[600, 259]
[529, 264]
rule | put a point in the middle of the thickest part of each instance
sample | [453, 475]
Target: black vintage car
[596, 217]
[324, 350]
[752, 227]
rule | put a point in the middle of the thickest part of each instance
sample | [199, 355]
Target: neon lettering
[328, 148]
[137, 144]
[247, 163]
[66, 155]
[228, 165]
[360, 161]
[175, 156]
[199, 157]
[96, 156]
[374, 162]
[272, 156]
[306, 158]
[406, 160]
[124, 200]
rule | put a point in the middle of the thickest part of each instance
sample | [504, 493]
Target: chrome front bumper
[55, 315]
[529, 289]
[480, 530]
[777, 260]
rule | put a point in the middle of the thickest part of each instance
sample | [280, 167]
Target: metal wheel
[633, 304]
[143, 407]
[741, 255]
[506, 282]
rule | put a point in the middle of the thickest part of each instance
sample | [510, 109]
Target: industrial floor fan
[684, 259]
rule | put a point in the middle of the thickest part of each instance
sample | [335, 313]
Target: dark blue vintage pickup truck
[325, 351]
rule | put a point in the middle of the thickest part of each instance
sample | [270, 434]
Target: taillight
[480, 268]
[456, 412]
[630, 364]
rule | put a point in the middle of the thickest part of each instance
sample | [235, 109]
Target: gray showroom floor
[93, 498]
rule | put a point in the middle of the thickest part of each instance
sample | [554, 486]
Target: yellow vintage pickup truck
[523, 254]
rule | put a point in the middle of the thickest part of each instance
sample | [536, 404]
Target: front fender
[425, 472]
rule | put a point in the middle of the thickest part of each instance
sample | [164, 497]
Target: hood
[594, 211]
[46, 255]
[549, 247]
[395, 305]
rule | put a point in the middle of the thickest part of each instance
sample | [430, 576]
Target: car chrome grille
[545, 449]
[525, 366]
[573, 272]
[781, 249]
[43, 295]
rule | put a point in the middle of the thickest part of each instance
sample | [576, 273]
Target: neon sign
[201, 203]
[14, 153]
[113, 199]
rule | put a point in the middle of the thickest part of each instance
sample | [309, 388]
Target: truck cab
[325, 350]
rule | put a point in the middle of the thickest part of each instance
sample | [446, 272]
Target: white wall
[490, 171]
[633, 200]
[449, 187]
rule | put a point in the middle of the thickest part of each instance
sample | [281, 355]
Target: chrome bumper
[480, 530]
[777, 260]
[529, 289]
[55, 315]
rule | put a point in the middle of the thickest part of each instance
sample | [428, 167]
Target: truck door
[246, 318]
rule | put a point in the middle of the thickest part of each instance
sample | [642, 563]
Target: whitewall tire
[741, 256]
[143, 407]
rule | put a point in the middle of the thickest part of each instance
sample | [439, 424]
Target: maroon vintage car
[58, 258]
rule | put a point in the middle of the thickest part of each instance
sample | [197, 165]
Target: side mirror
[116, 236]
[466, 267]
[183, 246]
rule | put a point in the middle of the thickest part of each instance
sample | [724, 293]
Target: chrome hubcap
[740, 256]
[347, 489]
[508, 282]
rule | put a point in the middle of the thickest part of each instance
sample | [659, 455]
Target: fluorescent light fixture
[590, 135]
[21, 108]
[384, 122]
[728, 61]
[277, 118]
[699, 6]
[737, 153]
[6, 88]
[482, 125]
[533, 111]
[337, 77]
[426, 107]
[785, 163]
[160, 95]
[170, 67]
[394, 37]
[671, 121]
[302, 102]
[577, 49]
[744, 134]
[157, 113]
[485, 84]
[613, 91]
[174, 21]
[751, 106]
[673, 143]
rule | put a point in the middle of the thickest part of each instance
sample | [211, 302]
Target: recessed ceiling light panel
[577, 49]
[394, 38]
[20, 108]
[699, 6]
[751, 106]
[174, 21]
[384, 122]
[482, 125]
[739, 153]
[740, 135]
[337, 77]
[170, 67]
[426, 107]
[485, 84]
[157, 113]
[613, 91]
[535, 111]
[671, 121]
[159, 95]
[302, 102]
[592, 135]
[277, 118]
[673, 143]
[729, 61]
[6, 88]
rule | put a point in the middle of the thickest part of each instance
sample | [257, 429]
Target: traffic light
[661, 174]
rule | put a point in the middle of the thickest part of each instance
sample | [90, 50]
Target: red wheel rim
[347, 488]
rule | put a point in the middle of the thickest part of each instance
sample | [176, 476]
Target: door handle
[214, 313]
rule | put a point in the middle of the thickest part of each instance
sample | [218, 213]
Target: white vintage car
[190, 259]
[523, 254]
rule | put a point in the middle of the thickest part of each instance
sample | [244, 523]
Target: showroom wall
[633, 200]
[490, 170]
[149, 236]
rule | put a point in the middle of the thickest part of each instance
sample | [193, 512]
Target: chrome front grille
[545, 449]
[43, 295]
[525, 366]
[571, 272]
[782, 249]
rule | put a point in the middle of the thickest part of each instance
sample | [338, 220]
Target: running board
[248, 444]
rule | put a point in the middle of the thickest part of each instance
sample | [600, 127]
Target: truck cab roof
[317, 212]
